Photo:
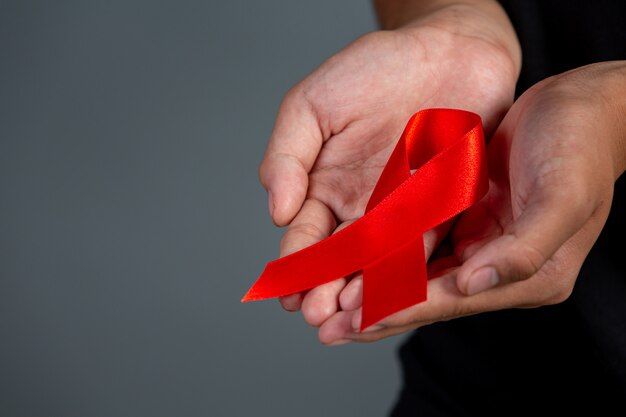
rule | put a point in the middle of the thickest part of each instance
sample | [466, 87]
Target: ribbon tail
[393, 283]
[267, 286]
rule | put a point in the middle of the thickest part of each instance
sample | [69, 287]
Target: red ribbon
[446, 149]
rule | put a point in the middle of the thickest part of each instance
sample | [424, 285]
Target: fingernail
[270, 202]
[373, 328]
[482, 280]
[339, 342]
[356, 325]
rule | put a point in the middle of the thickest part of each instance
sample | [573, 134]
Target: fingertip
[501, 261]
[313, 223]
[351, 296]
[291, 302]
[336, 329]
[322, 302]
[480, 280]
[478, 272]
[316, 315]
[286, 182]
[317, 309]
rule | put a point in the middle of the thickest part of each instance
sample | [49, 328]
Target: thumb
[292, 150]
[546, 223]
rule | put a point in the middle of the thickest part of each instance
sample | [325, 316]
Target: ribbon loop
[446, 149]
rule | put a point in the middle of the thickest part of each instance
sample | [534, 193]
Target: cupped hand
[335, 129]
[552, 166]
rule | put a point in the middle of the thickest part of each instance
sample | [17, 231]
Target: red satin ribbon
[446, 149]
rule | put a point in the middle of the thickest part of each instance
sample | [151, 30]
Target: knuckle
[306, 229]
[531, 261]
[560, 288]
[526, 261]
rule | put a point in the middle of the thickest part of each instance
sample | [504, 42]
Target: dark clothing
[559, 35]
[570, 356]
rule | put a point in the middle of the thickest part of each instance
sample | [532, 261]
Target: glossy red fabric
[446, 148]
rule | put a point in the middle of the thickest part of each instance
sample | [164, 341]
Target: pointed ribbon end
[250, 296]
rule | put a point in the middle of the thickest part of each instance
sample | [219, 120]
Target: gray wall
[131, 220]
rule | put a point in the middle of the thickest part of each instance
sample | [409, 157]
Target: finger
[351, 297]
[321, 302]
[291, 302]
[548, 221]
[443, 298]
[337, 328]
[344, 326]
[293, 147]
[446, 302]
[441, 266]
[313, 223]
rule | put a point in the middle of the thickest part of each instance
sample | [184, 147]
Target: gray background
[132, 222]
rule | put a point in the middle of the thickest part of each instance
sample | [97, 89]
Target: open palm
[335, 129]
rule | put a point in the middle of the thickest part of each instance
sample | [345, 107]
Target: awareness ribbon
[446, 150]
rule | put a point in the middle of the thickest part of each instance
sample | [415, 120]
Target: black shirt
[570, 356]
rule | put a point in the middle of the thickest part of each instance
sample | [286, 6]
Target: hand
[335, 129]
[552, 166]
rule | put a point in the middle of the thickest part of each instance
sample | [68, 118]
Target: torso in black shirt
[571, 356]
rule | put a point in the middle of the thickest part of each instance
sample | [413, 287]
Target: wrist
[393, 14]
[603, 86]
[602, 89]
[615, 98]
[484, 20]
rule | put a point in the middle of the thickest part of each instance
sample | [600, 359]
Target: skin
[553, 163]
[336, 128]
